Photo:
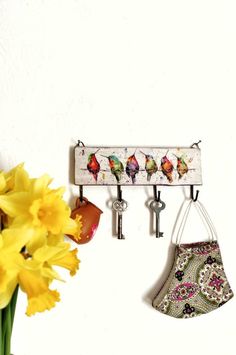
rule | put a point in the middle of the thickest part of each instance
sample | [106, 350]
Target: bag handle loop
[204, 216]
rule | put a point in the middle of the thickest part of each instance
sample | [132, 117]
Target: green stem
[6, 330]
[4, 312]
[8, 323]
[1, 342]
[13, 304]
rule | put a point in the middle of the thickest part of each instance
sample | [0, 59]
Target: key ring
[120, 205]
[157, 205]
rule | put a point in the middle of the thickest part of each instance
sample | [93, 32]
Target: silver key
[120, 206]
[157, 207]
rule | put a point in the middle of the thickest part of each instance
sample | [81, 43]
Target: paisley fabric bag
[197, 283]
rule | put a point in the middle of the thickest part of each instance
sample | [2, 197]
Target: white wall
[122, 72]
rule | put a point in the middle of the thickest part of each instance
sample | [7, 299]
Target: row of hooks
[156, 205]
[157, 196]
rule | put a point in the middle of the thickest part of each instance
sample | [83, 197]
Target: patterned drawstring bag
[197, 283]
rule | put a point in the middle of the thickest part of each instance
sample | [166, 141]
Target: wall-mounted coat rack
[138, 166]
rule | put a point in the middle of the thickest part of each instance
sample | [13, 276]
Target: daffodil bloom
[35, 219]
[76, 232]
[11, 261]
[59, 255]
[38, 273]
[2, 182]
[36, 205]
[7, 180]
[40, 297]
[33, 204]
[34, 273]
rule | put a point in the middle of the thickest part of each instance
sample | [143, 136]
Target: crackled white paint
[191, 156]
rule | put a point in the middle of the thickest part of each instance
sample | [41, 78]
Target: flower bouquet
[34, 219]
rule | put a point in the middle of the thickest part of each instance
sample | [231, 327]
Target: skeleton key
[120, 206]
[157, 207]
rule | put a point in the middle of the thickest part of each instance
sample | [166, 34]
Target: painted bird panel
[93, 165]
[150, 165]
[116, 166]
[182, 167]
[167, 167]
[132, 167]
[137, 166]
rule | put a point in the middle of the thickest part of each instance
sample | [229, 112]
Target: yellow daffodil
[37, 274]
[34, 273]
[7, 180]
[11, 260]
[31, 203]
[75, 232]
[36, 205]
[2, 182]
[40, 297]
[55, 239]
[35, 219]
[59, 255]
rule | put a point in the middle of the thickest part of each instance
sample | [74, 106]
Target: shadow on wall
[109, 203]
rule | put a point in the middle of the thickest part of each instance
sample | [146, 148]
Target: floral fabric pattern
[188, 311]
[197, 283]
[183, 292]
[213, 283]
[184, 255]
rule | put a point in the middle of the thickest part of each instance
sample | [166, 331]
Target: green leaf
[6, 324]
[1, 334]
[13, 304]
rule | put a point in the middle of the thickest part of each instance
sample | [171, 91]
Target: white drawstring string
[205, 218]
[183, 223]
[208, 220]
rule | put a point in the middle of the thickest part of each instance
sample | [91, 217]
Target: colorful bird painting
[132, 167]
[116, 166]
[93, 165]
[167, 167]
[182, 166]
[150, 165]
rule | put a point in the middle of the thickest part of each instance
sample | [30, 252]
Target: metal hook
[119, 193]
[196, 145]
[81, 197]
[156, 197]
[192, 193]
[81, 144]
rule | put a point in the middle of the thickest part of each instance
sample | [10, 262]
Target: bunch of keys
[157, 205]
[120, 206]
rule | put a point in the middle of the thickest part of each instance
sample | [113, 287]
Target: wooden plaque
[137, 166]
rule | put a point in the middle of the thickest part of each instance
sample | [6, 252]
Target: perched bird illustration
[132, 167]
[93, 165]
[116, 166]
[150, 165]
[167, 167]
[182, 166]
